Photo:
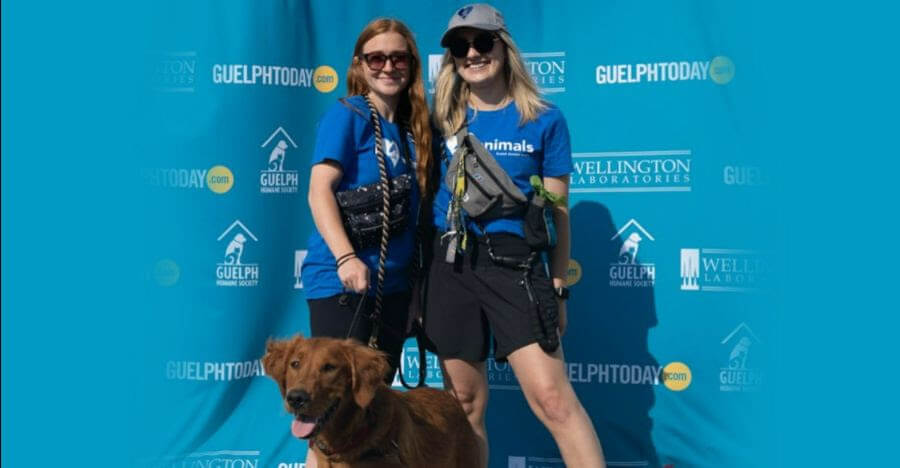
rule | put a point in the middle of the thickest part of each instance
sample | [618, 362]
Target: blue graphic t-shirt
[539, 147]
[346, 137]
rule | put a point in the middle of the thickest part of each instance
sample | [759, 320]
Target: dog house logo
[740, 375]
[409, 366]
[627, 271]
[275, 178]
[234, 269]
[299, 258]
[722, 270]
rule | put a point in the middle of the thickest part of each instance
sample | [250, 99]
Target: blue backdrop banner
[671, 273]
[674, 271]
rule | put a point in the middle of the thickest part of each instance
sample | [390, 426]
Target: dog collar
[373, 453]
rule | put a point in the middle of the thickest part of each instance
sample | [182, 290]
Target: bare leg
[467, 381]
[551, 396]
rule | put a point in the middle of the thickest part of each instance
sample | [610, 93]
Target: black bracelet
[345, 259]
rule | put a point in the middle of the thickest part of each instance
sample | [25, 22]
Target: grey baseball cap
[478, 16]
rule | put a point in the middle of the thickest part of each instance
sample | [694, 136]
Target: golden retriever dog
[335, 389]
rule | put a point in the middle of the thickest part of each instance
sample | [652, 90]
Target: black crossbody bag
[362, 208]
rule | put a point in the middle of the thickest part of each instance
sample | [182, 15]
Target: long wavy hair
[451, 95]
[412, 109]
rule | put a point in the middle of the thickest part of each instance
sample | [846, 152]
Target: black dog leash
[418, 333]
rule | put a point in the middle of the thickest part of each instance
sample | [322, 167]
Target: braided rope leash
[385, 232]
[385, 224]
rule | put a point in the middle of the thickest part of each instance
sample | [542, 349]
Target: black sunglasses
[483, 43]
[377, 60]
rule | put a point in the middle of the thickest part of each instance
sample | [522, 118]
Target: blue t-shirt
[540, 147]
[348, 138]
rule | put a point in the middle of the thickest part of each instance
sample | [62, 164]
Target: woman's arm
[323, 181]
[559, 256]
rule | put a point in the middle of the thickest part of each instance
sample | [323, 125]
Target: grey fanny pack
[489, 191]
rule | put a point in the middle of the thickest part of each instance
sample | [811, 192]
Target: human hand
[354, 275]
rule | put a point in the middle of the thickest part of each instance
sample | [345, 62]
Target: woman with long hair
[344, 274]
[485, 279]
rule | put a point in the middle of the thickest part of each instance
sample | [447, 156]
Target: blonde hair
[451, 93]
[412, 108]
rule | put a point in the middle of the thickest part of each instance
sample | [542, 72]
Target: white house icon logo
[627, 271]
[738, 357]
[628, 251]
[274, 178]
[737, 375]
[234, 270]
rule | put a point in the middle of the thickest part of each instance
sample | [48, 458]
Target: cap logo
[463, 12]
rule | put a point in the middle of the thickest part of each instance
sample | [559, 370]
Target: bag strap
[353, 108]
[418, 271]
[456, 223]
[419, 334]
[404, 130]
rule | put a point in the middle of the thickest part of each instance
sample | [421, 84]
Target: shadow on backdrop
[607, 340]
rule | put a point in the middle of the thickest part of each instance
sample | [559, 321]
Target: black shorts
[332, 317]
[474, 297]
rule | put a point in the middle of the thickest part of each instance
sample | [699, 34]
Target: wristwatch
[562, 292]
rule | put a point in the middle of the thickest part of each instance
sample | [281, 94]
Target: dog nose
[297, 398]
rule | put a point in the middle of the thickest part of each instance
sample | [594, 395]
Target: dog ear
[367, 368]
[275, 359]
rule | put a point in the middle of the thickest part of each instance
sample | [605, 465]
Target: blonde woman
[475, 293]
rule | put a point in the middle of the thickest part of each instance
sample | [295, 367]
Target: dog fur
[359, 421]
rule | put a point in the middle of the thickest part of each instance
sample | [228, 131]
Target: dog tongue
[302, 429]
